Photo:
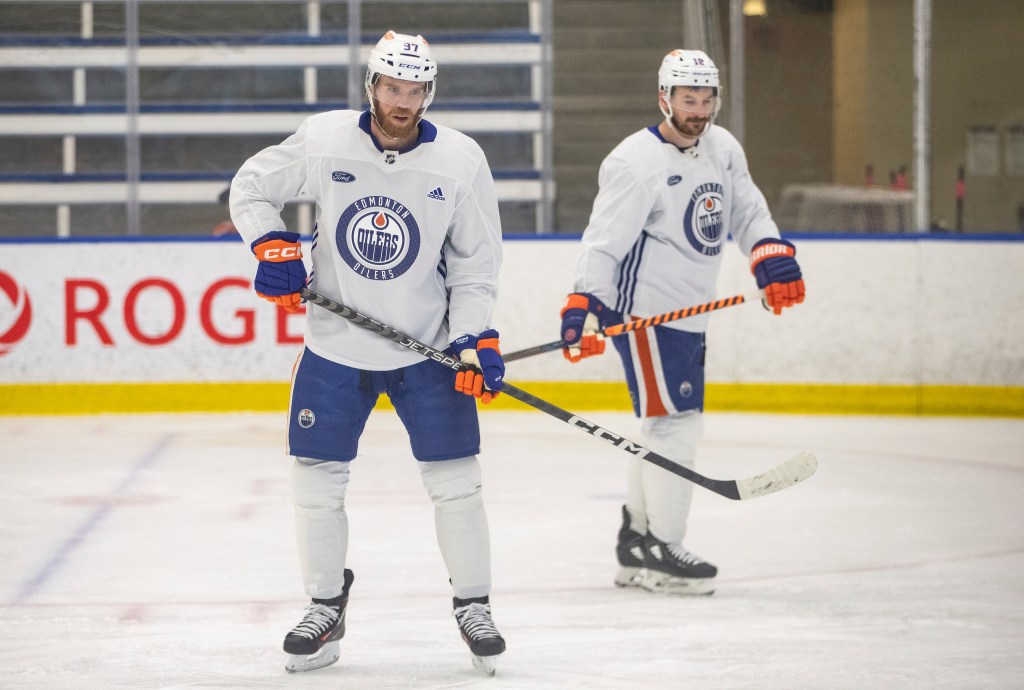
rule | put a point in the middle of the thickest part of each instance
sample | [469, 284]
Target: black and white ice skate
[671, 569]
[477, 628]
[630, 554]
[313, 643]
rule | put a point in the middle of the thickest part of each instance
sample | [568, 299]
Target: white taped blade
[796, 469]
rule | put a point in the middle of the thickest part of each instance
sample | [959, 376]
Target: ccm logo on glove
[280, 274]
[280, 252]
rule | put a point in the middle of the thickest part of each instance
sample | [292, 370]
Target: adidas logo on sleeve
[436, 194]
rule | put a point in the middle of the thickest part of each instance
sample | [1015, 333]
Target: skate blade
[661, 583]
[486, 664]
[629, 577]
[300, 663]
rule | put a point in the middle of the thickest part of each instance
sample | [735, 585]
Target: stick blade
[792, 471]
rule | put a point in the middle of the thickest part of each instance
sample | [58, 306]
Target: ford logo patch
[675, 179]
[342, 176]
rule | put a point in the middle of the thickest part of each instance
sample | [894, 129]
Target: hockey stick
[796, 469]
[638, 324]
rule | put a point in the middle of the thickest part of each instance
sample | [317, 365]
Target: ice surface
[157, 552]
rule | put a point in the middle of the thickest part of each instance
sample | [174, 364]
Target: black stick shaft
[727, 488]
[535, 350]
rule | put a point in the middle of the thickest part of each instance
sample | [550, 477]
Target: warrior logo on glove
[774, 265]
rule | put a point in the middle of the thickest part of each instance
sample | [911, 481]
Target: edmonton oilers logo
[378, 238]
[703, 221]
[306, 418]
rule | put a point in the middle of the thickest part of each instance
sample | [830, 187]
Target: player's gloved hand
[280, 273]
[773, 264]
[582, 319]
[482, 352]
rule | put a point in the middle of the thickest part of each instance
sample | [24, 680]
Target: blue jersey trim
[653, 129]
[428, 133]
[628, 278]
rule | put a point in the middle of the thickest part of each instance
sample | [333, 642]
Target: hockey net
[835, 208]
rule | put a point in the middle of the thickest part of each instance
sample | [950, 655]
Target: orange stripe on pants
[649, 380]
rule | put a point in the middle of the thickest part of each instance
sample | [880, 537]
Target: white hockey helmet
[402, 56]
[688, 68]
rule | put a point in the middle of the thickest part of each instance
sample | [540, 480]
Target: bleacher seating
[209, 99]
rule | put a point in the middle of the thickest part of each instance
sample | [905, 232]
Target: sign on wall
[912, 311]
[139, 311]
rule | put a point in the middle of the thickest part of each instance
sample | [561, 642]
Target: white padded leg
[321, 525]
[636, 503]
[461, 523]
[657, 500]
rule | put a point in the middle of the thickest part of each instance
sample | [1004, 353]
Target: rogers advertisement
[147, 311]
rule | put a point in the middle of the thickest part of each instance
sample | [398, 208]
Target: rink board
[925, 325]
[65, 399]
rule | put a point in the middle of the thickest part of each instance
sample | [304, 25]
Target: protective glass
[400, 93]
[694, 102]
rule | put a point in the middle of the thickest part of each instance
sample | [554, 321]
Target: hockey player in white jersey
[407, 231]
[668, 197]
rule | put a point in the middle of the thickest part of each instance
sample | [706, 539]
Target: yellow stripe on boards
[986, 401]
[94, 398]
[85, 398]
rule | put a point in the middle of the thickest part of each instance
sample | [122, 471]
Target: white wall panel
[878, 312]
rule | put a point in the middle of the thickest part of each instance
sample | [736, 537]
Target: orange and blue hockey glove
[774, 265]
[583, 317]
[281, 273]
[483, 354]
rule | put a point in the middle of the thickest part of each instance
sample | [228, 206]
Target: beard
[690, 126]
[396, 129]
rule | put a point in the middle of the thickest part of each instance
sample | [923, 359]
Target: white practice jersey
[659, 223]
[410, 239]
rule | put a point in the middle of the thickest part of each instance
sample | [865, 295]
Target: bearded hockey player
[668, 197]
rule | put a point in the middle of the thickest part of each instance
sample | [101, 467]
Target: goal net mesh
[835, 208]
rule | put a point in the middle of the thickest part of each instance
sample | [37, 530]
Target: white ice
[157, 552]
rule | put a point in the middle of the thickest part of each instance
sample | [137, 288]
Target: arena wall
[894, 325]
